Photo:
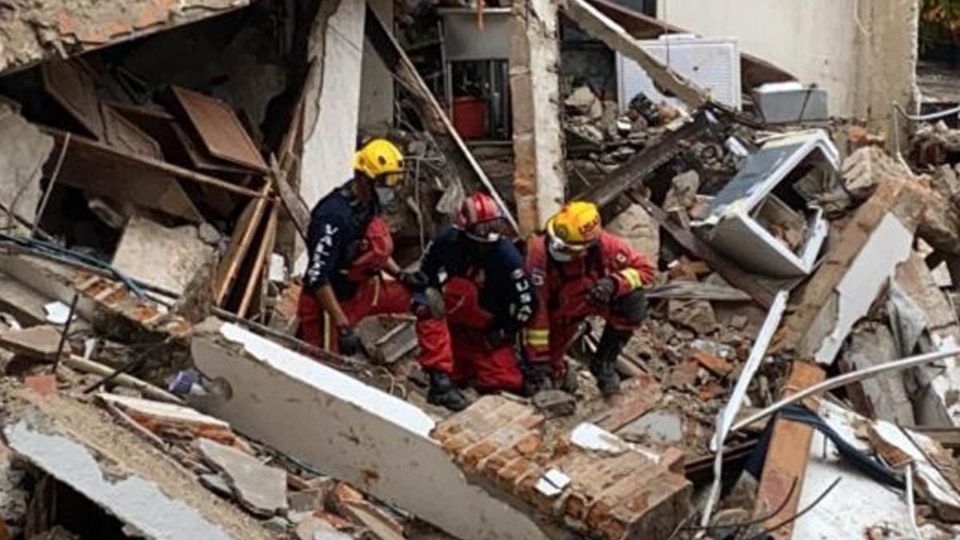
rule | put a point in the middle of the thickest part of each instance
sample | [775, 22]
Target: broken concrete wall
[37, 31]
[856, 268]
[376, 85]
[333, 97]
[131, 480]
[862, 53]
[349, 430]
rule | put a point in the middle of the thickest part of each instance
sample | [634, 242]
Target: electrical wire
[754, 521]
[57, 251]
[899, 111]
[799, 514]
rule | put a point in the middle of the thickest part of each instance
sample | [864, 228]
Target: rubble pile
[796, 374]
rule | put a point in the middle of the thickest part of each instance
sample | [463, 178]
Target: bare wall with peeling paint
[863, 52]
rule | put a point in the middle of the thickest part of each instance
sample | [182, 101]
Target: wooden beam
[155, 164]
[260, 264]
[240, 242]
[787, 458]
[432, 114]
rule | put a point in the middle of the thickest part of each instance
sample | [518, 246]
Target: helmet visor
[487, 231]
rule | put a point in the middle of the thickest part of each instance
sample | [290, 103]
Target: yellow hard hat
[576, 226]
[381, 160]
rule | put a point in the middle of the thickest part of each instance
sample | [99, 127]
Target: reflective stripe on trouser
[376, 297]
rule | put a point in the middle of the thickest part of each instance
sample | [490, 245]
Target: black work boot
[604, 362]
[570, 384]
[444, 393]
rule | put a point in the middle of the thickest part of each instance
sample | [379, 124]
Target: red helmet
[480, 218]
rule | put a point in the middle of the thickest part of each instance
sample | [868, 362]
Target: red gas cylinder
[470, 117]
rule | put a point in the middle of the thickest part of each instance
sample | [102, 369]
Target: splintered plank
[240, 242]
[260, 260]
[286, 171]
[220, 129]
[787, 458]
[72, 87]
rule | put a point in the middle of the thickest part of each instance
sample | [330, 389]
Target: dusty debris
[168, 420]
[866, 168]
[554, 403]
[113, 468]
[696, 315]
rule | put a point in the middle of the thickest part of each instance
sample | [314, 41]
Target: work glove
[603, 290]
[498, 337]
[348, 341]
[415, 281]
[538, 376]
[427, 302]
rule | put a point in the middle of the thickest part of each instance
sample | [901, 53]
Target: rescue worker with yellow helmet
[579, 270]
[350, 248]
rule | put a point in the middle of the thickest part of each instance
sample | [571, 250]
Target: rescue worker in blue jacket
[350, 249]
[488, 296]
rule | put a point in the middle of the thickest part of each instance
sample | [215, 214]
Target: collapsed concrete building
[158, 161]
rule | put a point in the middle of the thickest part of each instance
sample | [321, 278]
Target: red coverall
[485, 290]
[562, 291]
[374, 295]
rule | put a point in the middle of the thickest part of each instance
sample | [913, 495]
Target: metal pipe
[845, 379]
[63, 334]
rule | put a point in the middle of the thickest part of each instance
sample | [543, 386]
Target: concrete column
[539, 176]
[888, 51]
[333, 98]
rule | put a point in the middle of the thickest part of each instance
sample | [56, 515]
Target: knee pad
[631, 308]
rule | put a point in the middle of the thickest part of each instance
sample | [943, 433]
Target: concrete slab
[134, 500]
[259, 488]
[38, 342]
[164, 257]
[656, 426]
[351, 431]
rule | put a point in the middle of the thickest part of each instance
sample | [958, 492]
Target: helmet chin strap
[557, 255]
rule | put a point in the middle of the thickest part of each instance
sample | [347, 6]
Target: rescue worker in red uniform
[488, 296]
[579, 270]
[350, 247]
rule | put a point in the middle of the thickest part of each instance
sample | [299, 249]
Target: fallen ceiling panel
[219, 129]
